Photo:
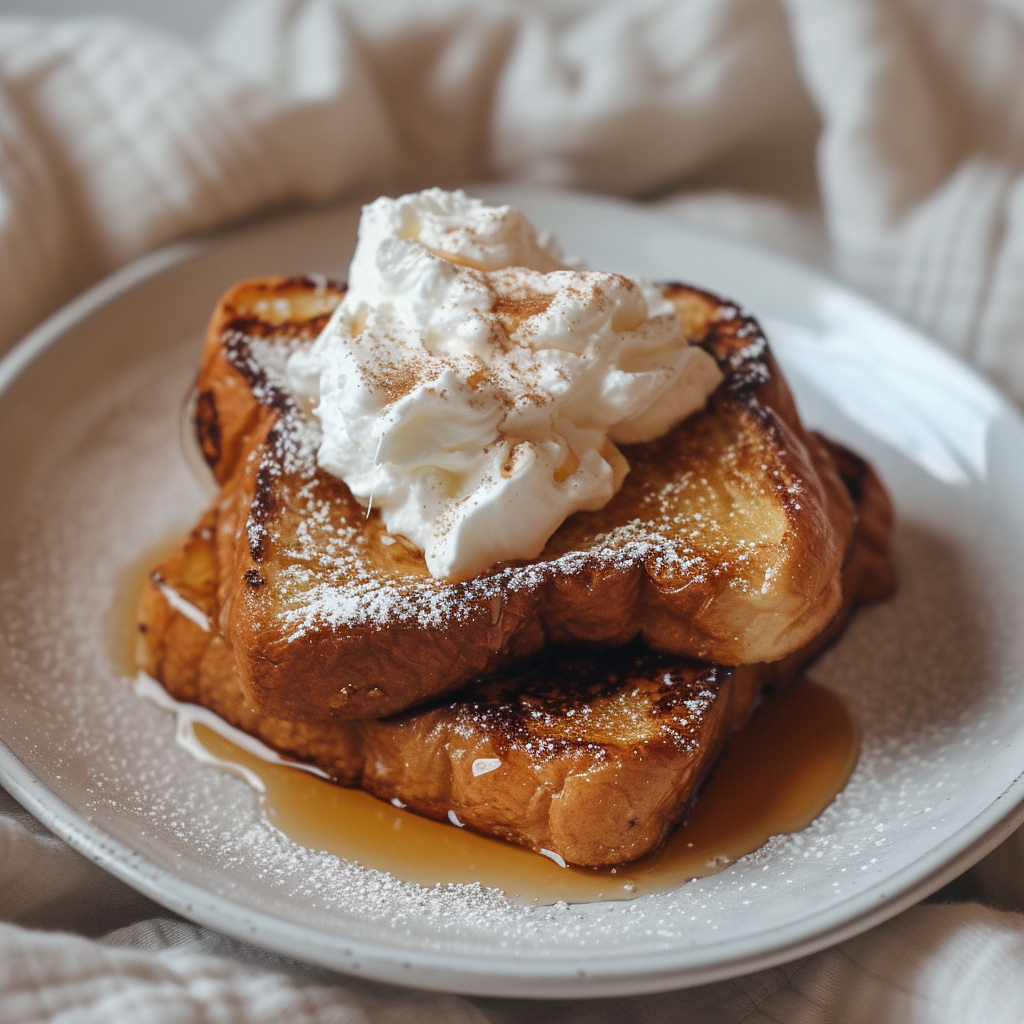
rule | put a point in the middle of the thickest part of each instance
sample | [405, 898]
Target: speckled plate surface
[94, 477]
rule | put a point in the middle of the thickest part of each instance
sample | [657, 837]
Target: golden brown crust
[725, 543]
[600, 752]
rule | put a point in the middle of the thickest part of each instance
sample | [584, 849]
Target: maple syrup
[775, 776]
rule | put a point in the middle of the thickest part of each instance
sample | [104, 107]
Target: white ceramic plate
[94, 476]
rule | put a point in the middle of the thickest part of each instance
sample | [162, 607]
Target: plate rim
[437, 971]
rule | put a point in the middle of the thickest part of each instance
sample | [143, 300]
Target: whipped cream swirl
[473, 385]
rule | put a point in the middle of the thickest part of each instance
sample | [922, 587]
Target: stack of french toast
[573, 703]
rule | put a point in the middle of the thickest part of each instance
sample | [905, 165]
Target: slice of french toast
[590, 755]
[724, 544]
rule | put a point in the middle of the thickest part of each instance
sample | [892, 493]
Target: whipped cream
[473, 384]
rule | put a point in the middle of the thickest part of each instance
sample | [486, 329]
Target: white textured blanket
[881, 138]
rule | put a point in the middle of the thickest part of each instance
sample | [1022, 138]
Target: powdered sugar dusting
[330, 582]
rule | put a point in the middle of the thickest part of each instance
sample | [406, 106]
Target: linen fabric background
[880, 139]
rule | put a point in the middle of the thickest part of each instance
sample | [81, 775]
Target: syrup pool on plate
[775, 776]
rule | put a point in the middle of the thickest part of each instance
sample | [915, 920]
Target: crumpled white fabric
[882, 139]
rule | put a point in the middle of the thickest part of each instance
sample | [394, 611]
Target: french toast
[589, 755]
[725, 543]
